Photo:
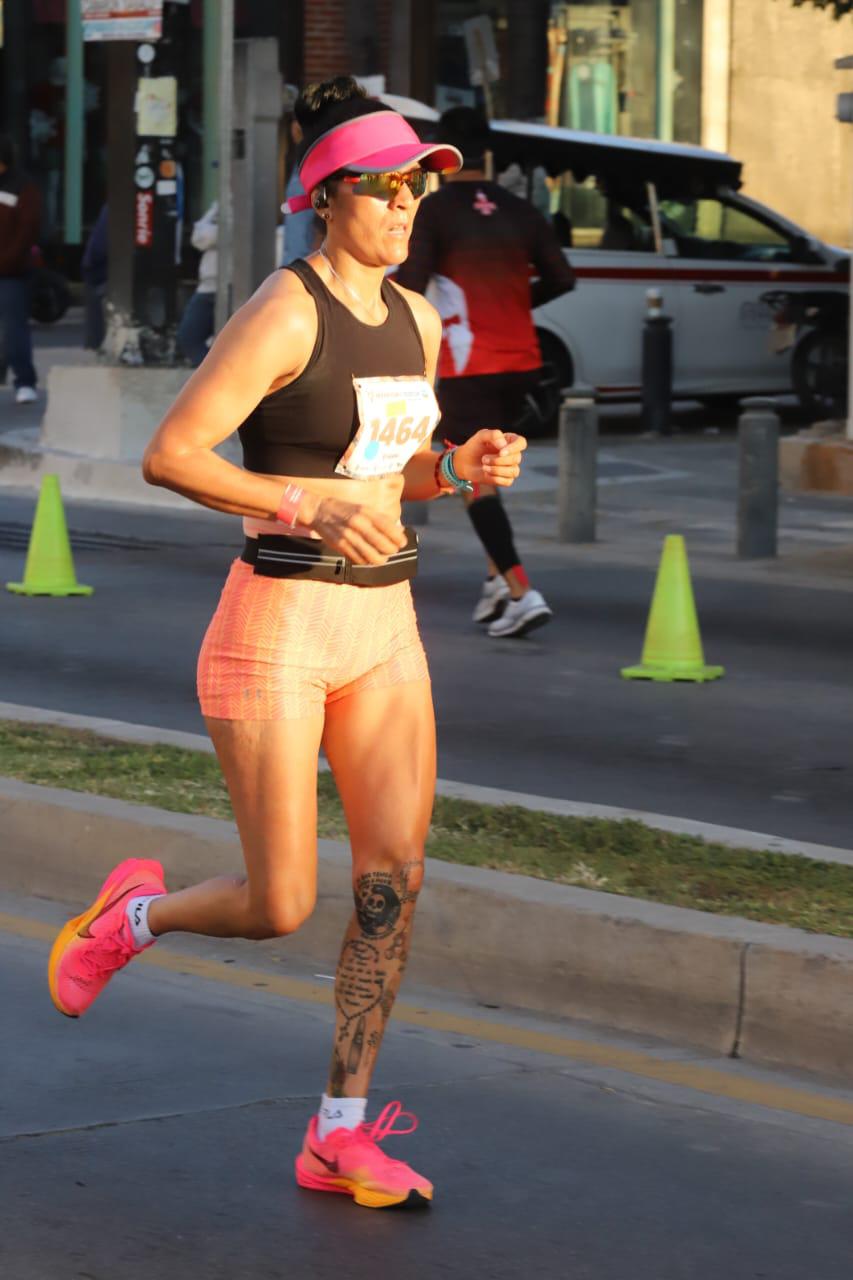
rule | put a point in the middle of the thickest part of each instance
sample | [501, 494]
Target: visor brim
[437, 158]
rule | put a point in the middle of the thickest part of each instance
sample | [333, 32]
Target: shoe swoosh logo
[108, 906]
[331, 1165]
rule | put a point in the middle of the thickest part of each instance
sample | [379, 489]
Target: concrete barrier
[798, 1006]
[716, 982]
[96, 426]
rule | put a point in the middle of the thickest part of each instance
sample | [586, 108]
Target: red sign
[144, 219]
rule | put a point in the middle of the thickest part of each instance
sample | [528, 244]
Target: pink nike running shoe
[95, 945]
[350, 1162]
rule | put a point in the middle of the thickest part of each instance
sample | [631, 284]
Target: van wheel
[819, 373]
[558, 375]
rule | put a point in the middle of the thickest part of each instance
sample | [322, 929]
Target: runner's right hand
[363, 534]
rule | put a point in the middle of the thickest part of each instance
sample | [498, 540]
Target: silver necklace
[352, 293]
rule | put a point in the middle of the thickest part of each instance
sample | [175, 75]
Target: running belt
[279, 556]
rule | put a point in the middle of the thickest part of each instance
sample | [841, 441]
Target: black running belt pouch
[279, 556]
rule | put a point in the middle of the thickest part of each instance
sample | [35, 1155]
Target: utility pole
[844, 112]
[224, 237]
[144, 190]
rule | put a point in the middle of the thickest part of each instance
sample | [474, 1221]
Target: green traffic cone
[673, 646]
[49, 569]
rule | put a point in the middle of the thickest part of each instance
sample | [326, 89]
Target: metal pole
[210, 103]
[73, 201]
[665, 69]
[226, 113]
[657, 366]
[577, 468]
[849, 431]
[758, 479]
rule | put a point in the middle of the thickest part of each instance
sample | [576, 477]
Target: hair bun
[315, 99]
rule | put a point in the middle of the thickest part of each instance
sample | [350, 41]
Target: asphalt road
[766, 749]
[153, 1140]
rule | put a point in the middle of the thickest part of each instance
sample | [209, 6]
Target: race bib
[396, 417]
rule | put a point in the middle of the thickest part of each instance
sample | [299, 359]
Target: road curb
[734, 837]
[764, 992]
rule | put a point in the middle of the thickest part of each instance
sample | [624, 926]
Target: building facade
[752, 77]
[768, 97]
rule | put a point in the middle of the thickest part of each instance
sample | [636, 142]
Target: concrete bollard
[577, 467]
[758, 479]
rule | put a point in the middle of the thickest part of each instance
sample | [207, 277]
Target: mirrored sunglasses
[385, 186]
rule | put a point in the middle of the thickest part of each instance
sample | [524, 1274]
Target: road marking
[688, 1075]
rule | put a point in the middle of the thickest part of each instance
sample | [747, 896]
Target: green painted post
[73, 202]
[210, 104]
[665, 70]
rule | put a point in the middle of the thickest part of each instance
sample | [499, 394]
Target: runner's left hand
[490, 457]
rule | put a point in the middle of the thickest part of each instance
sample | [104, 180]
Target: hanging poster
[157, 107]
[122, 19]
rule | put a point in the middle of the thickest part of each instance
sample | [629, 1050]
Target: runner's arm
[243, 365]
[555, 274]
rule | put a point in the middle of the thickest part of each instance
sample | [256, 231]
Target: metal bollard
[758, 479]
[577, 467]
[657, 366]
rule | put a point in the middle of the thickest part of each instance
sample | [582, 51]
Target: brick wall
[383, 24]
[325, 40]
[326, 50]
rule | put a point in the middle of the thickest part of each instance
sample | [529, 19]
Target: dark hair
[315, 99]
[7, 151]
[467, 129]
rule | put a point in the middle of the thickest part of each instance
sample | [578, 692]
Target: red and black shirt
[472, 252]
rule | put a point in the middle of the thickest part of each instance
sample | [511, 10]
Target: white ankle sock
[137, 916]
[339, 1113]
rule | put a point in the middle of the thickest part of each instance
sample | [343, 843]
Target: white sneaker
[26, 395]
[492, 601]
[521, 616]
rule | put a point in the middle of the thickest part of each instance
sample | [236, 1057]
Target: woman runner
[327, 371]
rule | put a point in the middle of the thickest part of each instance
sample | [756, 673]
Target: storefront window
[452, 80]
[632, 68]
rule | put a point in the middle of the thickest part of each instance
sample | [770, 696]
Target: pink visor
[381, 142]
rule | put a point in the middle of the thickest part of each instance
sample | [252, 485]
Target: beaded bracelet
[288, 508]
[445, 470]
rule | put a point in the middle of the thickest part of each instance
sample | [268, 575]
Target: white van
[636, 215]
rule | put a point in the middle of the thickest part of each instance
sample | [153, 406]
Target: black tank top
[302, 429]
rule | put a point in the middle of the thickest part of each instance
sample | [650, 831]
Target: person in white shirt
[197, 324]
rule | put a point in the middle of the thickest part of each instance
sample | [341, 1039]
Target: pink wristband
[288, 508]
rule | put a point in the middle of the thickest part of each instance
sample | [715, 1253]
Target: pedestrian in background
[20, 216]
[473, 249]
[94, 270]
[303, 231]
[197, 323]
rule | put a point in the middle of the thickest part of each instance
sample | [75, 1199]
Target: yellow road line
[689, 1075]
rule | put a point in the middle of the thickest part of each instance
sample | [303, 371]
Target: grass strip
[621, 857]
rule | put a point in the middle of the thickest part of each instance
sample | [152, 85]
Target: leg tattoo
[373, 957]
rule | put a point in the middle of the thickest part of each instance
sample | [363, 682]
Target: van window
[710, 228]
[587, 218]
